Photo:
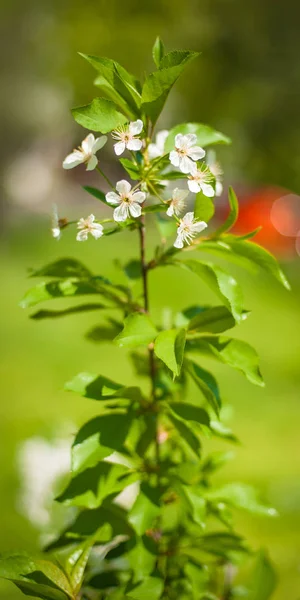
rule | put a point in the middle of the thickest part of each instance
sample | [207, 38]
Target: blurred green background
[247, 84]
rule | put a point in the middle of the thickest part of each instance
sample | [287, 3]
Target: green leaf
[197, 504]
[169, 347]
[158, 51]
[206, 135]
[98, 387]
[96, 193]
[220, 282]
[37, 577]
[76, 563]
[56, 289]
[142, 556]
[54, 314]
[64, 268]
[99, 438]
[204, 208]
[100, 115]
[151, 588]
[145, 510]
[233, 214]
[89, 488]
[190, 412]
[223, 431]
[132, 169]
[122, 87]
[138, 330]
[158, 84]
[263, 580]
[242, 496]
[235, 353]
[206, 384]
[215, 319]
[186, 433]
[166, 226]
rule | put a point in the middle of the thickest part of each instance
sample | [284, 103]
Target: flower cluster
[127, 200]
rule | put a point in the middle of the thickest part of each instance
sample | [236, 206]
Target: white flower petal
[99, 143]
[193, 186]
[135, 210]
[88, 143]
[178, 242]
[123, 187]
[190, 139]
[134, 145]
[160, 139]
[174, 158]
[219, 188]
[73, 159]
[138, 197]
[179, 195]
[92, 163]
[188, 218]
[207, 190]
[82, 236]
[121, 213]
[56, 232]
[153, 151]
[199, 226]
[113, 198]
[119, 148]
[97, 231]
[186, 164]
[179, 140]
[170, 211]
[196, 152]
[135, 127]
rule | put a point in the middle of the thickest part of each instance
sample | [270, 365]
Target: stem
[142, 231]
[105, 177]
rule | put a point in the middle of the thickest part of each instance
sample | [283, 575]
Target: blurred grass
[38, 357]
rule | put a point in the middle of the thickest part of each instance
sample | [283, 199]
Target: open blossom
[157, 149]
[129, 203]
[188, 229]
[216, 170]
[87, 226]
[177, 204]
[126, 137]
[186, 152]
[86, 153]
[200, 180]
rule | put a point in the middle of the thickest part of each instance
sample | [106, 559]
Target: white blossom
[157, 149]
[128, 202]
[188, 229]
[186, 152]
[177, 204]
[200, 180]
[55, 224]
[87, 226]
[126, 137]
[86, 153]
[216, 170]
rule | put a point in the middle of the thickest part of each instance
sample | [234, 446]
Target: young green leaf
[221, 283]
[263, 579]
[76, 564]
[63, 268]
[240, 495]
[57, 289]
[190, 412]
[197, 503]
[151, 588]
[235, 353]
[98, 387]
[100, 115]
[169, 347]
[204, 208]
[233, 214]
[138, 331]
[206, 135]
[206, 383]
[215, 319]
[36, 577]
[99, 438]
[132, 169]
[145, 510]
[96, 193]
[186, 433]
[158, 51]
[142, 556]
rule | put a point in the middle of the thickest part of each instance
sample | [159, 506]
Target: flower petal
[190, 139]
[188, 218]
[186, 164]
[174, 158]
[99, 143]
[196, 152]
[92, 163]
[135, 210]
[97, 231]
[179, 140]
[199, 226]
[207, 190]
[113, 198]
[82, 235]
[73, 159]
[179, 195]
[219, 188]
[119, 148]
[160, 139]
[121, 213]
[123, 187]
[88, 143]
[153, 151]
[170, 211]
[193, 186]
[138, 197]
[134, 144]
[178, 242]
[135, 127]
[56, 232]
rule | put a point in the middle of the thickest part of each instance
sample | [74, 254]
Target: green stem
[105, 177]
